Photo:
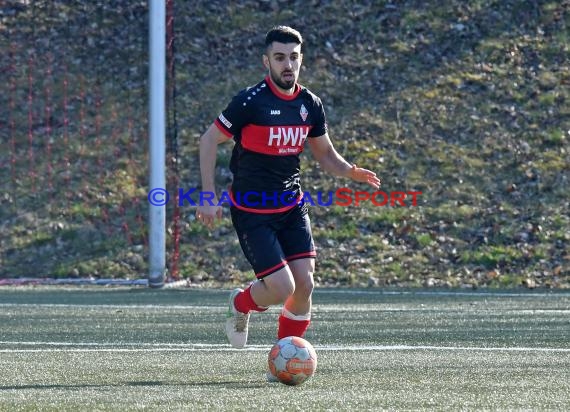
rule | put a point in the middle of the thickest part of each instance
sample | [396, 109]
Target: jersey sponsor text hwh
[288, 136]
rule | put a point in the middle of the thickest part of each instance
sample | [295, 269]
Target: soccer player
[270, 124]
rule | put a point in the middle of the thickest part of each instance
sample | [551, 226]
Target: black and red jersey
[270, 129]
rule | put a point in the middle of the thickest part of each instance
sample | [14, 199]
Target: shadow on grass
[223, 383]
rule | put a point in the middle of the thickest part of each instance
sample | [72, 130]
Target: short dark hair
[283, 34]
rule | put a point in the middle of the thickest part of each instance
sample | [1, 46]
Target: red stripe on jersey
[279, 93]
[222, 128]
[275, 140]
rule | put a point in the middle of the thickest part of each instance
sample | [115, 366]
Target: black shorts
[270, 241]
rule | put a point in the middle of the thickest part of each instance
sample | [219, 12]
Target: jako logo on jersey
[275, 112]
[288, 136]
[303, 112]
[225, 121]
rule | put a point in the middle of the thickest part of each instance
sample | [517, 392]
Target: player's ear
[266, 61]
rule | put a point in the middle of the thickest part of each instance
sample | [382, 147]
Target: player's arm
[332, 162]
[209, 142]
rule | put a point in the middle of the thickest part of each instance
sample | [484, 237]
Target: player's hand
[207, 214]
[365, 176]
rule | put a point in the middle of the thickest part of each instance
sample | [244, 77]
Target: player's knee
[281, 285]
[286, 289]
[303, 274]
[305, 286]
[282, 293]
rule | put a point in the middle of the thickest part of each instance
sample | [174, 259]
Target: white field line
[361, 307]
[475, 294]
[106, 306]
[208, 347]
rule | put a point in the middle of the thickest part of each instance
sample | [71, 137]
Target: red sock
[244, 302]
[291, 327]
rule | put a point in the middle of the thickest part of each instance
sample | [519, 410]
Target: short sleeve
[234, 117]
[320, 127]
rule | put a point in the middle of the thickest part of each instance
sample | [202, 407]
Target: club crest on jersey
[303, 112]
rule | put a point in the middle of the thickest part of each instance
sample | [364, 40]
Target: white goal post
[157, 132]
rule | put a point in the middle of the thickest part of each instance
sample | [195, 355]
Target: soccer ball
[292, 360]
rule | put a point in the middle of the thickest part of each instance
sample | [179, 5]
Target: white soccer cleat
[236, 323]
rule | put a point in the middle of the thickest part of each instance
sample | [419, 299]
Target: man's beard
[284, 84]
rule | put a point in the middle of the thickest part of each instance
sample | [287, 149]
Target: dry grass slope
[466, 102]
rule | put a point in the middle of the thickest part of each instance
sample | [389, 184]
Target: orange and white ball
[292, 360]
